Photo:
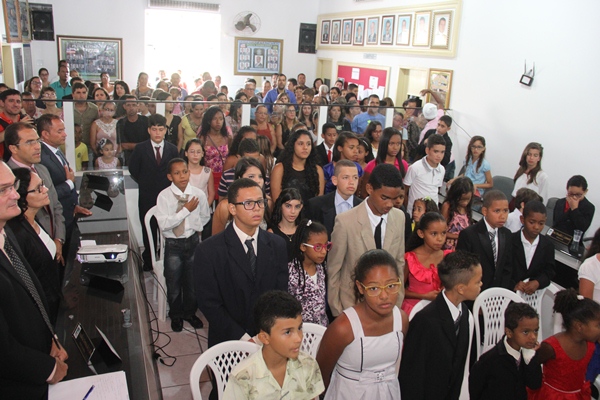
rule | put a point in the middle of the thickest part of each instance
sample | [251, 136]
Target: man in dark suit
[52, 131]
[325, 208]
[32, 357]
[25, 146]
[148, 166]
[233, 268]
[325, 149]
[533, 254]
[491, 241]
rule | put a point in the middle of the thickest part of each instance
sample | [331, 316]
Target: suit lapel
[390, 231]
[446, 320]
[237, 251]
[265, 254]
[328, 210]
[484, 238]
[366, 232]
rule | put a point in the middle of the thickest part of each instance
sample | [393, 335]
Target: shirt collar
[454, 311]
[327, 148]
[429, 168]
[20, 164]
[339, 199]
[161, 144]
[513, 353]
[243, 237]
[263, 371]
[54, 149]
[178, 192]
[374, 218]
[526, 242]
[489, 228]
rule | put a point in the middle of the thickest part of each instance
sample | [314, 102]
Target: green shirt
[85, 119]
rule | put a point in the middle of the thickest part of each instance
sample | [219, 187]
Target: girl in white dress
[200, 175]
[104, 127]
[107, 160]
[361, 349]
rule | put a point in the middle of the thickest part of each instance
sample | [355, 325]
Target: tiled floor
[185, 346]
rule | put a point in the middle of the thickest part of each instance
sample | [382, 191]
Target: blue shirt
[477, 176]
[328, 170]
[60, 91]
[361, 121]
[271, 97]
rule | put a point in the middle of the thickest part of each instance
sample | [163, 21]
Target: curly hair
[305, 229]
[310, 167]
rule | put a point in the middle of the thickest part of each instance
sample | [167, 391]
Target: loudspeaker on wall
[308, 38]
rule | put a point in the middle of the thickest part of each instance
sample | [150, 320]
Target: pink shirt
[431, 124]
[371, 165]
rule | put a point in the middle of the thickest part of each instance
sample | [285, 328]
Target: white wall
[487, 99]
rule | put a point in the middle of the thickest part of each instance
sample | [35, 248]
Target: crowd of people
[264, 230]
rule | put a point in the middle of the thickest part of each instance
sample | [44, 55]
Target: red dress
[564, 378]
[420, 279]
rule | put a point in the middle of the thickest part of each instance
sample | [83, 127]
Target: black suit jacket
[150, 176]
[541, 268]
[225, 287]
[434, 357]
[495, 376]
[580, 218]
[68, 197]
[476, 239]
[322, 209]
[25, 340]
[322, 155]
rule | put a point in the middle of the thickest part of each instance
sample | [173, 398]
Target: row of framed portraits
[427, 29]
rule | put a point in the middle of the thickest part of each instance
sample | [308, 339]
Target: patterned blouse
[312, 296]
[215, 157]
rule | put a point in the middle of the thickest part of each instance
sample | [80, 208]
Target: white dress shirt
[161, 147]
[54, 150]
[168, 218]
[495, 231]
[342, 205]
[375, 219]
[454, 311]
[529, 247]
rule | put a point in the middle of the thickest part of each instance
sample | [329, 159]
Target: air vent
[183, 5]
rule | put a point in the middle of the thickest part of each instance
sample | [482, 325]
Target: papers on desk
[110, 386]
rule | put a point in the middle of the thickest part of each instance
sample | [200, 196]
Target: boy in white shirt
[182, 211]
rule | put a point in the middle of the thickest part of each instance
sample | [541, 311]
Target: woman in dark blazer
[39, 249]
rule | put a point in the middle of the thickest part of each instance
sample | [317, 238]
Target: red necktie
[328, 155]
[158, 157]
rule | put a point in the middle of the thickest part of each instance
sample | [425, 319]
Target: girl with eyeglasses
[361, 348]
[575, 211]
[307, 272]
[477, 168]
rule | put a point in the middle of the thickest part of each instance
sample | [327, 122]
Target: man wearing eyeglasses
[26, 147]
[233, 268]
[28, 343]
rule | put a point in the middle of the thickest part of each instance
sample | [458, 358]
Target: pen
[88, 393]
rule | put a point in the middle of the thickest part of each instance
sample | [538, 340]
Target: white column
[69, 120]
[246, 110]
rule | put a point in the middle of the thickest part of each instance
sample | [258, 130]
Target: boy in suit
[148, 167]
[325, 208]
[533, 254]
[437, 349]
[373, 224]
[182, 212]
[325, 149]
[506, 370]
[491, 241]
[279, 368]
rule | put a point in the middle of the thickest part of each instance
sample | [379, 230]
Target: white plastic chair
[492, 303]
[158, 266]
[418, 307]
[221, 359]
[548, 308]
[313, 333]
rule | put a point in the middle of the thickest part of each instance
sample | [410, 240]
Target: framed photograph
[422, 28]
[372, 30]
[336, 26]
[92, 55]
[25, 24]
[12, 20]
[325, 31]
[440, 81]
[441, 30]
[359, 32]
[404, 25]
[347, 31]
[254, 56]
[387, 29]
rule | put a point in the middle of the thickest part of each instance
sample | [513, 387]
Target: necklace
[288, 236]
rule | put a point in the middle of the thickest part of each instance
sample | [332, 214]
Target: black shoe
[195, 322]
[176, 324]
[148, 267]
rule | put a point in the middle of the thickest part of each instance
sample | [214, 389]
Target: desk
[92, 308]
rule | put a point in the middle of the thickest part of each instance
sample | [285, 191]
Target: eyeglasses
[5, 191]
[30, 143]
[38, 188]
[373, 291]
[575, 195]
[477, 147]
[250, 204]
[320, 246]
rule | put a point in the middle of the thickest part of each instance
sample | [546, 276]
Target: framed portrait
[422, 28]
[325, 31]
[92, 55]
[372, 30]
[359, 32]
[440, 81]
[25, 24]
[440, 38]
[12, 20]
[254, 56]
[347, 31]
[336, 26]
[404, 25]
[387, 29]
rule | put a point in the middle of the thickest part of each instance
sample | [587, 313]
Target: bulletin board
[370, 80]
